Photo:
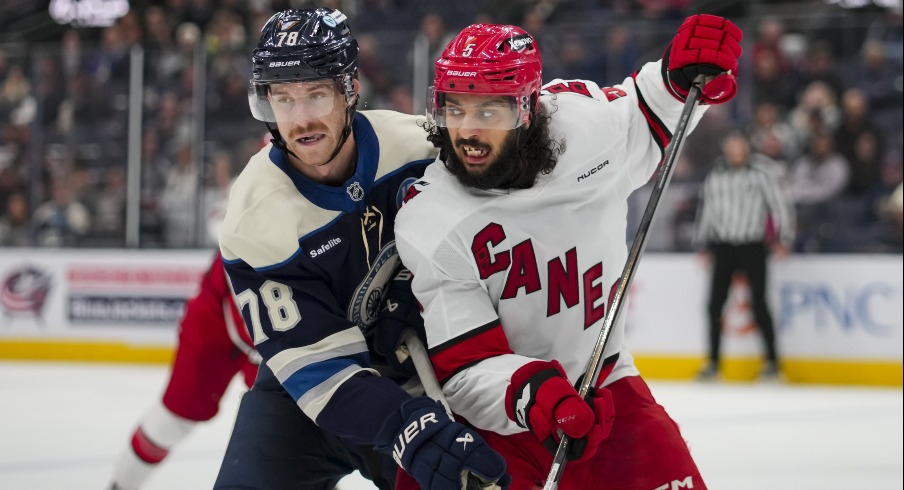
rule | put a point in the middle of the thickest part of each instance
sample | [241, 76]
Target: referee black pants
[750, 259]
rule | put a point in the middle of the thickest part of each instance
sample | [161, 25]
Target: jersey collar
[349, 196]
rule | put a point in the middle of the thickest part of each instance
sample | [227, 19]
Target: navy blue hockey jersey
[308, 263]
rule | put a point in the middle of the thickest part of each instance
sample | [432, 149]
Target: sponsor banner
[133, 296]
[823, 306]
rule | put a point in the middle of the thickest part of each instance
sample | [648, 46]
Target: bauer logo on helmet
[275, 64]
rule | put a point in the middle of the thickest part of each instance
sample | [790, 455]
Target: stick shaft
[595, 363]
[424, 368]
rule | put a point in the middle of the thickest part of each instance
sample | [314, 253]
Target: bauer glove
[541, 399]
[437, 451]
[708, 45]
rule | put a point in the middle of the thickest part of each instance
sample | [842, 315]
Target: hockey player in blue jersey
[308, 244]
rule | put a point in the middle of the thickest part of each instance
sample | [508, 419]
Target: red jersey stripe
[468, 349]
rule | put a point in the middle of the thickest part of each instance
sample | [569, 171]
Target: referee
[744, 210]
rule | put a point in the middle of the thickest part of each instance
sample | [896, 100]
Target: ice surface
[62, 426]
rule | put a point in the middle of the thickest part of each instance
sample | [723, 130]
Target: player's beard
[498, 174]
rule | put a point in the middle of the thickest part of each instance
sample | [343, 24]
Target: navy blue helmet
[302, 45]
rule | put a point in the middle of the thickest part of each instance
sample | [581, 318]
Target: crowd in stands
[821, 94]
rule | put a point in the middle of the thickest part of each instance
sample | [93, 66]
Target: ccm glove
[437, 451]
[400, 312]
[708, 45]
[541, 399]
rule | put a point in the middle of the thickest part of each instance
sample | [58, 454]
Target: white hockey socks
[151, 442]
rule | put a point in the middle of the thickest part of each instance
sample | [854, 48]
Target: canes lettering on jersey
[565, 282]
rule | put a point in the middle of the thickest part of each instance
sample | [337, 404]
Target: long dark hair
[534, 152]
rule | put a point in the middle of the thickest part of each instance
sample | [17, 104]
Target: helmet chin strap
[278, 140]
[347, 130]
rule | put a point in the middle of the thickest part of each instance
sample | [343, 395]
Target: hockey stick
[595, 363]
[424, 369]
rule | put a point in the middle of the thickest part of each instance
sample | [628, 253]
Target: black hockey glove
[437, 451]
[400, 312]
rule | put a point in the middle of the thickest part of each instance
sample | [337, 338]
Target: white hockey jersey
[506, 277]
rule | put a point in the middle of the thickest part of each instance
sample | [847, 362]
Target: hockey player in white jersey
[516, 238]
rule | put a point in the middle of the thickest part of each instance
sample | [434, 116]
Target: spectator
[11, 181]
[227, 112]
[225, 32]
[216, 194]
[571, 58]
[83, 109]
[49, 90]
[62, 221]
[820, 65]
[17, 104]
[771, 135]
[109, 208]
[163, 60]
[155, 165]
[170, 122]
[15, 230]
[770, 31]
[179, 201]
[428, 45]
[820, 174]
[110, 65]
[858, 140]
[771, 84]
[879, 79]
[376, 81]
[817, 177]
[616, 55]
[887, 30]
[816, 112]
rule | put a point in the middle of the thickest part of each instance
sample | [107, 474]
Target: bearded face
[499, 162]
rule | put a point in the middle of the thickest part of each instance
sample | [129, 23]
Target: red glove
[706, 44]
[541, 399]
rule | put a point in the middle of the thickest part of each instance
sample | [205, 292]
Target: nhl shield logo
[355, 191]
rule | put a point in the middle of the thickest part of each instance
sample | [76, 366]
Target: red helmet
[490, 59]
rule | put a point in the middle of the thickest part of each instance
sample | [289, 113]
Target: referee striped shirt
[738, 200]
